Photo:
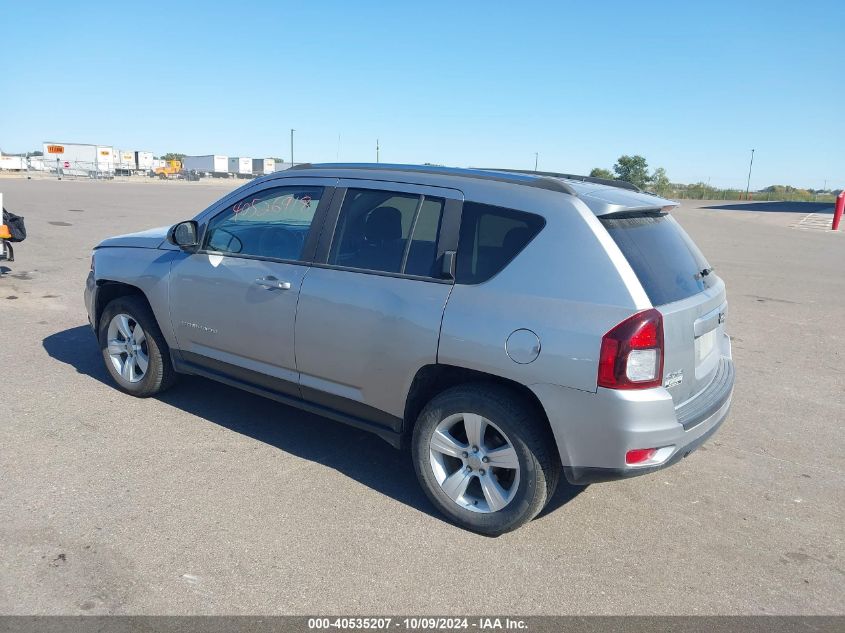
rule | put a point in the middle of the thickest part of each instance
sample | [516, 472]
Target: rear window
[490, 238]
[666, 261]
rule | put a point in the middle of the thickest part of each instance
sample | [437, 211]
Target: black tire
[527, 431]
[160, 374]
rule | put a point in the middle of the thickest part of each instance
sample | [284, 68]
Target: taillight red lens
[607, 362]
[618, 367]
[646, 336]
[639, 455]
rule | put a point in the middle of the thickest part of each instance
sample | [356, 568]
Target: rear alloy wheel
[485, 457]
[474, 462]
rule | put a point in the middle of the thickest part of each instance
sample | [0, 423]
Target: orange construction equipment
[170, 170]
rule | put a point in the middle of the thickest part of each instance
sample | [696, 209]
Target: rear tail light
[631, 354]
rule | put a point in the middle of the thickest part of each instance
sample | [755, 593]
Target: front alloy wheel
[134, 350]
[127, 348]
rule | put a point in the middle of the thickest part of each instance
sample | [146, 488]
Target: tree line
[634, 169]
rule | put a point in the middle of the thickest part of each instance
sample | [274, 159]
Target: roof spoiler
[610, 182]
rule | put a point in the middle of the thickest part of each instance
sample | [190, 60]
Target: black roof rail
[610, 182]
[539, 180]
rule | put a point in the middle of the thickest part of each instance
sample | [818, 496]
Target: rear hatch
[681, 284]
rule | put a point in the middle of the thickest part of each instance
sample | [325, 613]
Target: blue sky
[691, 86]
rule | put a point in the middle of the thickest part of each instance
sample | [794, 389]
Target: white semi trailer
[143, 162]
[130, 163]
[210, 165]
[105, 162]
[240, 166]
[79, 159]
[124, 162]
[12, 163]
[263, 166]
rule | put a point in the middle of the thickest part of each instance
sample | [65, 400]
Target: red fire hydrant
[838, 209]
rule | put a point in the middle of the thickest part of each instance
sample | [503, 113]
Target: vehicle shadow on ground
[357, 454]
[776, 207]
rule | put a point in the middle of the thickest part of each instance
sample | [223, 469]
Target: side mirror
[183, 235]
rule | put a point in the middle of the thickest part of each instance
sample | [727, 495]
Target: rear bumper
[590, 475]
[594, 431]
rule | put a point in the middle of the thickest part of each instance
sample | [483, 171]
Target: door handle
[271, 283]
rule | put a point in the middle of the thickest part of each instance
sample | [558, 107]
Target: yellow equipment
[170, 170]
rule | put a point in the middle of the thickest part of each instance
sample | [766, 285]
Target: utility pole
[291, 146]
[536, 158]
[748, 184]
[377, 157]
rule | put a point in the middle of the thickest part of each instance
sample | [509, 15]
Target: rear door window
[423, 251]
[667, 262]
[387, 231]
[490, 238]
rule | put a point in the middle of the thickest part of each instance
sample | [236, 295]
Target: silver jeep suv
[507, 326]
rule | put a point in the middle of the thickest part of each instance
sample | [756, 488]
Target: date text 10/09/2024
[419, 623]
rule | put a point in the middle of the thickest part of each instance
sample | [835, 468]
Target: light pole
[536, 158]
[748, 184]
[377, 148]
[291, 146]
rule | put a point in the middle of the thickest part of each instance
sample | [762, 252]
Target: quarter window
[273, 223]
[490, 238]
[387, 231]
